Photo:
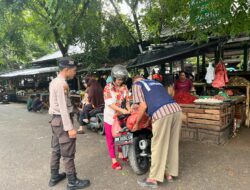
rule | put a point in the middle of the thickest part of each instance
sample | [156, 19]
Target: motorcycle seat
[93, 120]
[96, 110]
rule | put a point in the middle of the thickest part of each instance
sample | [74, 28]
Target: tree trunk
[63, 48]
[118, 14]
[137, 26]
[133, 6]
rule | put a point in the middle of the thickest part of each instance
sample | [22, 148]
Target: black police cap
[66, 62]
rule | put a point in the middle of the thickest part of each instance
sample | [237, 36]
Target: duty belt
[56, 115]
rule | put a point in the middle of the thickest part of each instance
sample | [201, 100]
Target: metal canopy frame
[178, 52]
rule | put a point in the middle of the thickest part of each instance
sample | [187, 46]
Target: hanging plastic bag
[221, 77]
[116, 127]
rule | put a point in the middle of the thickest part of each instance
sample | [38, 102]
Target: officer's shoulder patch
[66, 88]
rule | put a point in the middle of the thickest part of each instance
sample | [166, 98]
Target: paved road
[25, 154]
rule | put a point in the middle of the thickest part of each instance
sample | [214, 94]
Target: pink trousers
[110, 140]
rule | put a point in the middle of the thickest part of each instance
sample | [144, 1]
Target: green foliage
[17, 44]
[165, 17]
[118, 36]
[198, 19]
[31, 28]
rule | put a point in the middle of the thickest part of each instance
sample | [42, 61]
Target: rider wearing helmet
[119, 72]
[115, 93]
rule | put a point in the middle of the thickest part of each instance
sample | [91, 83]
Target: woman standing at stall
[183, 84]
[182, 89]
[114, 94]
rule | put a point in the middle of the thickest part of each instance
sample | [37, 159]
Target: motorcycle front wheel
[101, 130]
[139, 164]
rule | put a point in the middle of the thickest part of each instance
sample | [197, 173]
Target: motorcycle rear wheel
[139, 164]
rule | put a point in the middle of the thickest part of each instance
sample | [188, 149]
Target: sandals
[124, 159]
[147, 183]
[80, 132]
[169, 179]
[117, 166]
[85, 120]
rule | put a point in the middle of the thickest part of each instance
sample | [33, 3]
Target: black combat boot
[56, 177]
[75, 183]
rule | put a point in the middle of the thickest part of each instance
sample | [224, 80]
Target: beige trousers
[165, 147]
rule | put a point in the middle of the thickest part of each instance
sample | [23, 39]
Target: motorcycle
[96, 122]
[4, 98]
[135, 146]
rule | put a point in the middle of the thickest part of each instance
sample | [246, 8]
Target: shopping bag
[116, 127]
[132, 119]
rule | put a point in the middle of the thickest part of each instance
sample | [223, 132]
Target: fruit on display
[208, 100]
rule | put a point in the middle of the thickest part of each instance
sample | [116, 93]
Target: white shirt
[59, 100]
[109, 113]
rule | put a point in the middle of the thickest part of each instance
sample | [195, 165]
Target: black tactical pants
[85, 113]
[63, 146]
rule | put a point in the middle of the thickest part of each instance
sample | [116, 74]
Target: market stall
[238, 86]
[212, 122]
[32, 81]
[211, 74]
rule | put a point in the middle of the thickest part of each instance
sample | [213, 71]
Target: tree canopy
[18, 44]
[30, 29]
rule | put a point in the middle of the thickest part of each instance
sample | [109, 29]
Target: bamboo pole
[248, 106]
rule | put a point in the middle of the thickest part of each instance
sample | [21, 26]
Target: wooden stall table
[205, 87]
[207, 123]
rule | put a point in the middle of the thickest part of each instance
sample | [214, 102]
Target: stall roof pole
[79, 83]
[171, 67]
[163, 68]
[222, 53]
[245, 63]
[182, 65]
[146, 74]
[216, 57]
[203, 64]
[198, 67]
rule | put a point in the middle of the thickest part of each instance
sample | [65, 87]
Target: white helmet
[119, 72]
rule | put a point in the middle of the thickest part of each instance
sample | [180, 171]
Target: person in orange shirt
[158, 77]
